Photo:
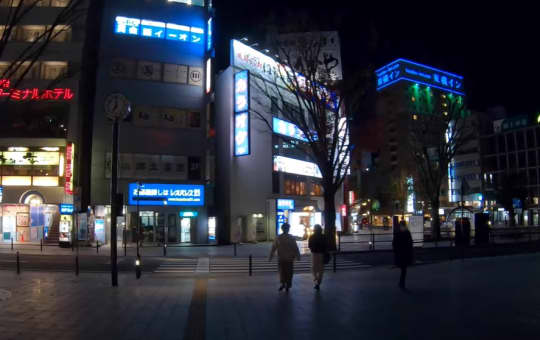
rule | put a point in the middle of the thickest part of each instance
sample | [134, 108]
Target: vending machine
[66, 225]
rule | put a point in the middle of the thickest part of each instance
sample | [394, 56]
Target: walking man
[287, 251]
[403, 251]
[317, 245]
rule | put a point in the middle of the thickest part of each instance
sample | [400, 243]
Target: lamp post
[117, 107]
[139, 234]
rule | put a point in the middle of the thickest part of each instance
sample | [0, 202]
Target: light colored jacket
[286, 247]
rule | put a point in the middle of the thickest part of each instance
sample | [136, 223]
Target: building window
[12, 34]
[530, 138]
[294, 187]
[59, 3]
[521, 158]
[194, 119]
[533, 179]
[316, 189]
[502, 162]
[275, 182]
[30, 33]
[520, 140]
[510, 142]
[51, 70]
[501, 144]
[194, 170]
[512, 164]
[532, 158]
[27, 71]
[61, 33]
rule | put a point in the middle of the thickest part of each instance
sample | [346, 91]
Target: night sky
[495, 49]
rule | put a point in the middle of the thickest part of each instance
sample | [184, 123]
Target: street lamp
[138, 219]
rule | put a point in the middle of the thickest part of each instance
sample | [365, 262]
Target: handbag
[326, 258]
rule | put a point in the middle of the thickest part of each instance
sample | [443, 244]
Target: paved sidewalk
[488, 298]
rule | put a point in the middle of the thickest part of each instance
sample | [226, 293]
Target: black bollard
[97, 247]
[235, 249]
[125, 249]
[77, 265]
[164, 249]
[250, 265]
[18, 264]
[41, 245]
[11, 243]
[138, 267]
[335, 267]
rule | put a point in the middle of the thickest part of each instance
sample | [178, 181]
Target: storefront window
[316, 190]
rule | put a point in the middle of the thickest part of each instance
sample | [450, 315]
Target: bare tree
[13, 13]
[321, 111]
[439, 128]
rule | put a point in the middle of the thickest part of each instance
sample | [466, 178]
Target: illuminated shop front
[33, 182]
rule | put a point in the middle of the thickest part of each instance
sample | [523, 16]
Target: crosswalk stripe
[241, 265]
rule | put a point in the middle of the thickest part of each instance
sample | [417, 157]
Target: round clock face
[116, 106]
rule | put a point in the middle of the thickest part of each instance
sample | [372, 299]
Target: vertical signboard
[241, 114]
[209, 35]
[70, 153]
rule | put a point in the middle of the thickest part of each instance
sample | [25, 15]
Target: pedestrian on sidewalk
[317, 245]
[403, 251]
[287, 251]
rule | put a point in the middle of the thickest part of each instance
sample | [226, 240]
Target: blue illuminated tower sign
[405, 70]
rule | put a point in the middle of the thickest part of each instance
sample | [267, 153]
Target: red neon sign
[34, 94]
[68, 187]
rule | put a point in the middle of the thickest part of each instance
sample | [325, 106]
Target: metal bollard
[12, 243]
[138, 267]
[41, 245]
[250, 265]
[334, 264]
[373, 241]
[77, 265]
[97, 247]
[125, 249]
[234, 249]
[339, 244]
[164, 249]
[18, 264]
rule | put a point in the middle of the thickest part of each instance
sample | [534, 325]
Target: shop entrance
[185, 230]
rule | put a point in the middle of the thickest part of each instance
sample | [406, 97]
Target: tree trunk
[435, 220]
[330, 219]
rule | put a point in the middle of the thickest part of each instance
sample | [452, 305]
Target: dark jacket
[403, 248]
[317, 243]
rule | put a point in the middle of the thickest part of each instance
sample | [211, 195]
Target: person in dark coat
[317, 245]
[403, 251]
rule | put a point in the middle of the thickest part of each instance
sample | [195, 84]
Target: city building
[407, 92]
[41, 122]
[155, 70]
[263, 179]
[512, 148]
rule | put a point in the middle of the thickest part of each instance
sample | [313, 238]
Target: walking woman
[287, 251]
[317, 245]
[403, 251]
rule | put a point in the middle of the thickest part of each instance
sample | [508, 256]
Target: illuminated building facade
[407, 92]
[40, 124]
[159, 56]
[263, 177]
[512, 147]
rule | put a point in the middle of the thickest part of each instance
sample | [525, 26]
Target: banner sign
[166, 194]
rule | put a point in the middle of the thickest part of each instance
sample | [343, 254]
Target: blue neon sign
[287, 129]
[197, 35]
[129, 26]
[285, 204]
[66, 209]
[166, 194]
[241, 134]
[152, 29]
[1, 194]
[241, 91]
[406, 70]
[158, 30]
[209, 35]
[178, 32]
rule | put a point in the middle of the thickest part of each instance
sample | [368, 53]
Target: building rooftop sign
[34, 94]
[406, 70]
